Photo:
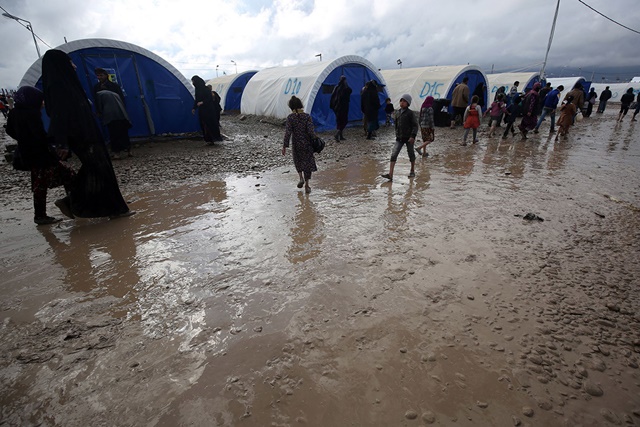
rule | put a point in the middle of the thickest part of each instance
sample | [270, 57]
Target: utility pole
[553, 29]
[28, 27]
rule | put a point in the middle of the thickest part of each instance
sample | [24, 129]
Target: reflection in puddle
[306, 232]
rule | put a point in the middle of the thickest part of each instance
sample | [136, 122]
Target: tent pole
[553, 29]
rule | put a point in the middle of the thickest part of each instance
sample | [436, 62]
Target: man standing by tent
[105, 84]
[339, 103]
[459, 101]
[604, 97]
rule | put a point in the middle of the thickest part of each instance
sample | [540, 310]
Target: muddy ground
[233, 298]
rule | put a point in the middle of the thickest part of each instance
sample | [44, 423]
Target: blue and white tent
[527, 80]
[158, 97]
[230, 88]
[268, 92]
[437, 81]
[569, 83]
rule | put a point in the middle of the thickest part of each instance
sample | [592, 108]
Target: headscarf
[66, 102]
[203, 93]
[537, 86]
[29, 97]
[198, 82]
[428, 102]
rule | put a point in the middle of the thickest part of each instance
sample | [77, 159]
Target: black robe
[95, 191]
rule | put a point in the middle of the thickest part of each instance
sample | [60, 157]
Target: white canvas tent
[230, 88]
[268, 92]
[569, 82]
[617, 89]
[527, 80]
[438, 82]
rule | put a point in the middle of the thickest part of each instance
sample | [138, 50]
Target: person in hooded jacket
[34, 153]
[95, 192]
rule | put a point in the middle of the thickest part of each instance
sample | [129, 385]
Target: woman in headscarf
[427, 125]
[339, 103]
[529, 110]
[207, 111]
[95, 192]
[299, 129]
[34, 153]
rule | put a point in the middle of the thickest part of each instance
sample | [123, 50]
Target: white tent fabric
[34, 72]
[527, 80]
[617, 89]
[222, 84]
[567, 82]
[269, 90]
[438, 81]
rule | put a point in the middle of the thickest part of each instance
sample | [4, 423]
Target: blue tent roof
[158, 98]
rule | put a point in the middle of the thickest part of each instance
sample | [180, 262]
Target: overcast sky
[198, 35]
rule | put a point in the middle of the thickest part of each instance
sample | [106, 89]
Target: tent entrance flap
[357, 75]
[127, 75]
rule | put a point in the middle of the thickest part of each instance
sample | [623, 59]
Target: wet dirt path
[244, 301]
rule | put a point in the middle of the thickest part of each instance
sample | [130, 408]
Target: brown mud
[233, 298]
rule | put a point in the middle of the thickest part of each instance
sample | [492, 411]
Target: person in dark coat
[370, 106]
[339, 103]
[541, 96]
[24, 124]
[625, 103]
[591, 100]
[95, 192]
[114, 116]
[605, 95]
[529, 108]
[208, 112]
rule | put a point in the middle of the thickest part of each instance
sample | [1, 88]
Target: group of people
[92, 191]
[532, 107]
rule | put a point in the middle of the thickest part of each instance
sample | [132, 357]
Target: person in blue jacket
[550, 105]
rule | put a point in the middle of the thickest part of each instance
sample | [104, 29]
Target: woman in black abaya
[208, 111]
[94, 192]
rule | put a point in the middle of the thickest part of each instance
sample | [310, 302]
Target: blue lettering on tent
[430, 89]
[293, 86]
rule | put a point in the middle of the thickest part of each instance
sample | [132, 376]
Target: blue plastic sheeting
[357, 75]
[234, 94]
[156, 101]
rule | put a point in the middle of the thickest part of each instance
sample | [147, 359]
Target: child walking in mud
[388, 110]
[567, 111]
[510, 116]
[427, 125]
[406, 131]
[496, 111]
[471, 120]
